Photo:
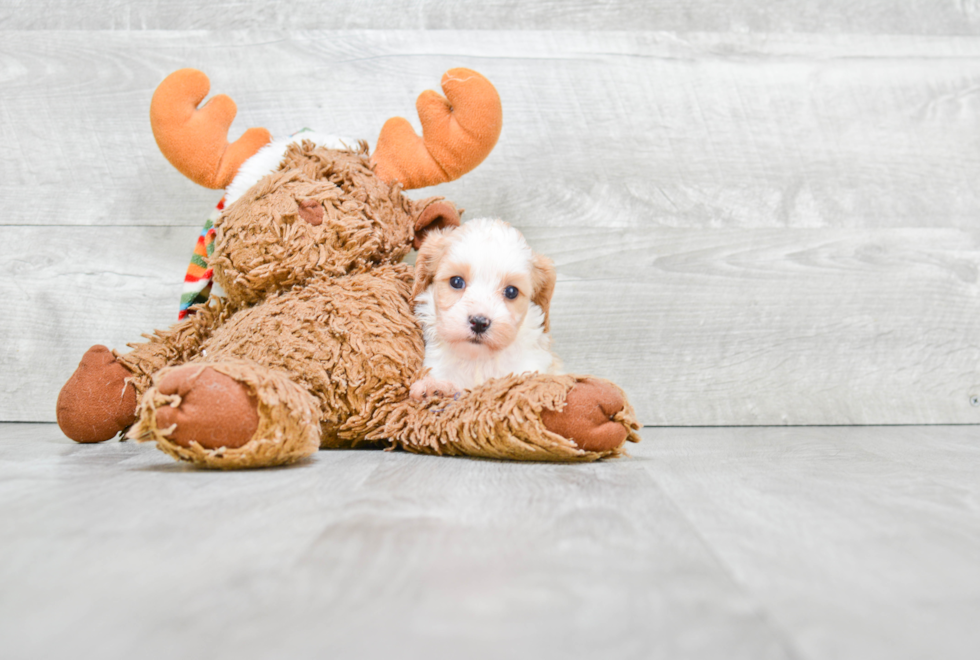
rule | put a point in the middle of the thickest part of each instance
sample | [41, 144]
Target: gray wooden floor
[817, 542]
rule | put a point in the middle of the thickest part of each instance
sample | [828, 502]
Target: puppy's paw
[430, 387]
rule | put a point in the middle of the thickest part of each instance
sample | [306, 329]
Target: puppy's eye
[457, 282]
[511, 292]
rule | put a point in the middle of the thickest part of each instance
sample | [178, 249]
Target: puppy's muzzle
[479, 324]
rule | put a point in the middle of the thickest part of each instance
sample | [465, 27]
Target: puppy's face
[483, 277]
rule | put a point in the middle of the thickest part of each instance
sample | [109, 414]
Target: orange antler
[195, 141]
[457, 134]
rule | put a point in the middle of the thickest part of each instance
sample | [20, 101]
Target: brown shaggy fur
[351, 341]
[263, 245]
[287, 428]
[318, 327]
[500, 419]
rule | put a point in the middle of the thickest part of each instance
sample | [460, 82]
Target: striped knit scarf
[200, 277]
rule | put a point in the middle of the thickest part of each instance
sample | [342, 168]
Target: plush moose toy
[313, 343]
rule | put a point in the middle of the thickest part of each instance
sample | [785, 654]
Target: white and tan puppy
[482, 297]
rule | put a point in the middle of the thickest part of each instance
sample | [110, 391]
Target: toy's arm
[531, 417]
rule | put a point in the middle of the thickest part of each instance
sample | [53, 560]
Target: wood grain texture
[87, 286]
[353, 554]
[849, 543]
[606, 129]
[861, 542]
[750, 228]
[699, 326]
[774, 326]
[940, 17]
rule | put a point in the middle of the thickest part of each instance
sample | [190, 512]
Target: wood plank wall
[762, 212]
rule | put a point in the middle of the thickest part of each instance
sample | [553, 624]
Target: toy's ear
[435, 214]
[458, 132]
[543, 278]
[195, 140]
[427, 262]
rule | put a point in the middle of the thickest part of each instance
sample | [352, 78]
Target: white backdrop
[761, 212]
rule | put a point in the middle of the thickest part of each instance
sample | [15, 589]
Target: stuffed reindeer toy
[313, 342]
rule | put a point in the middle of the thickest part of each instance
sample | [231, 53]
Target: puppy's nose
[479, 324]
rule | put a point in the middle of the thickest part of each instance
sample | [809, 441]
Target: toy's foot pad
[587, 419]
[98, 401]
[214, 410]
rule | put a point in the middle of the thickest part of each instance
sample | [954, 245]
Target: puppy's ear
[543, 282]
[427, 262]
[436, 213]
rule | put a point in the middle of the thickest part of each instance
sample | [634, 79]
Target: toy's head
[302, 208]
[323, 212]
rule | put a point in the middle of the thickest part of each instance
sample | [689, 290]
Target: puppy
[482, 297]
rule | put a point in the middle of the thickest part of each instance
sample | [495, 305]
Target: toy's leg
[178, 344]
[99, 400]
[233, 414]
[533, 417]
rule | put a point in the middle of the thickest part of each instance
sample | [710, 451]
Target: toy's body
[314, 343]
[349, 366]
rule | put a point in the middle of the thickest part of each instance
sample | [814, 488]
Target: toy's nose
[311, 211]
[479, 324]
